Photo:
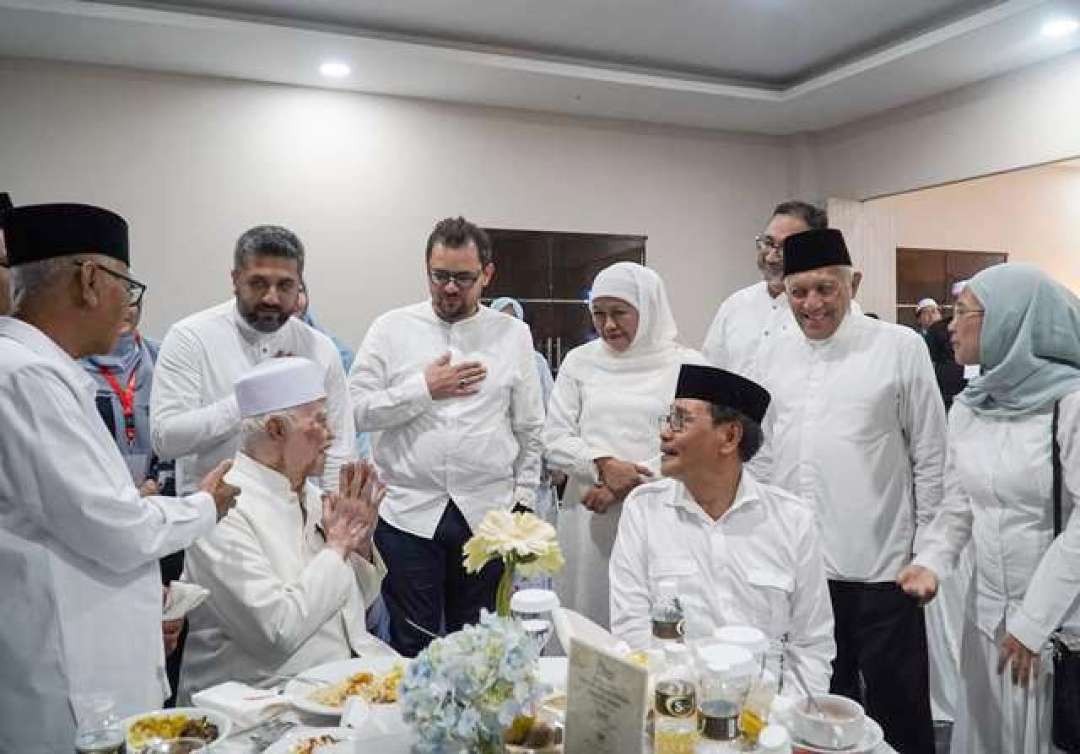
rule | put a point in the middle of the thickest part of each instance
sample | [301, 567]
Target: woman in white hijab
[1024, 329]
[602, 428]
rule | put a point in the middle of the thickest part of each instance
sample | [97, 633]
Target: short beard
[262, 323]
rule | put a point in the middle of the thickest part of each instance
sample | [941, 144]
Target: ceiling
[765, 66]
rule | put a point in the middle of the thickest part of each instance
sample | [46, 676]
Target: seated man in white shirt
[740, 551]
[290, 578]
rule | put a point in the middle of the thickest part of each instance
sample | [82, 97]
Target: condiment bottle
[675, 724]
[718, 726]
[668, 622]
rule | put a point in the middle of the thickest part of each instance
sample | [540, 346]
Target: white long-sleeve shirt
[482, 450]
[193, 413]
[759, 564]
[81, 595]
[856, 427]
[280, 600]
[743, 323]
[998, 493]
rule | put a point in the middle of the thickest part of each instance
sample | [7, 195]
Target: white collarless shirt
[280, 600]
[79, 551]
[998, 494]
[759, 564]
[482, 450]
[193, 413]
[743, 323]
[856, 427]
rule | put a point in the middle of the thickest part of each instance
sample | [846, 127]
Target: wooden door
[550, 273]
[931, 273]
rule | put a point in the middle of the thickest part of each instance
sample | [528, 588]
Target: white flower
[519, 539]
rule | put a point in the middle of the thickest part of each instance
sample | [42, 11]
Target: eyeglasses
[460, 279]
[675, 419]
[962, 311]
[768, 243]
[135, 289]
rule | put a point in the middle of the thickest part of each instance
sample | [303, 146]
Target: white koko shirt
[998, 485]
[280, 601]
[856, 427]
[759, 564]
[79, 551]
[481, 450]
[743, 323]
[193, 413]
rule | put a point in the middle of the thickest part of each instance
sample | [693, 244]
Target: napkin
[182, 598]
[573, 625]
[245, 705]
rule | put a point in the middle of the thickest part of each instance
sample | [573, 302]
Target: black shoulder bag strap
[1055, 460]
[1066, 702]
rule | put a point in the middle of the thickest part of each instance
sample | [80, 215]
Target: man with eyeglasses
[79, 545]
[752, 315]
[737, 551]
[451, 389]
[857, 429]
[194, 416]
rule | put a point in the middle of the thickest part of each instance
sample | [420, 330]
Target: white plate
[297, 735]
[223, 723]
[872, 738]
[298, 692]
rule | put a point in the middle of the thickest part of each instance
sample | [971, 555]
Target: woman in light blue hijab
[1023, 329]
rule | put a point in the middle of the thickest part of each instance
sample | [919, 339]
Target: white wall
[1034, 215]
[1028, 117]
[192, 162]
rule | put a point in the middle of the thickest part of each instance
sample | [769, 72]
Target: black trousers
[426, 582]
[881, 636]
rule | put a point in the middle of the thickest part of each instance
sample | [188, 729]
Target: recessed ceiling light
[1061, 27]
[334, 70]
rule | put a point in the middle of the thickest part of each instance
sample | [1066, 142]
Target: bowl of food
[836, 722]
[178, 723]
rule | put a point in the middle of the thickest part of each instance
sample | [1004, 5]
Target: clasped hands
[922, 584]
[349, 516]
[617, 479]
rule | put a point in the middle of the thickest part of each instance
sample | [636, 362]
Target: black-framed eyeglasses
[460, 279]
[135, 289]
[768, 243]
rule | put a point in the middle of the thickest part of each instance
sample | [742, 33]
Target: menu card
[605, 702]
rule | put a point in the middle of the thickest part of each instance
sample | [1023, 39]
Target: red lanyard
[126, 396]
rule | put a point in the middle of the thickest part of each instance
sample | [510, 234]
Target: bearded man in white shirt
[856, 428]
[450, 387]
[290, 572]
[193, 413]
[79, 547]
[752, 315]
[739, 551]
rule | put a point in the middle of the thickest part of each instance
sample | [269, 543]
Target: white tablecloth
[371, 739]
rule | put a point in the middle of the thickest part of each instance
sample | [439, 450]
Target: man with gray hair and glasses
[194, 417]
[451, 389]
[752, 315]
[79, 547]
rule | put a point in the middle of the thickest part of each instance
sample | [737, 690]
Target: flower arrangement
[524, 542]
[465, 689]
